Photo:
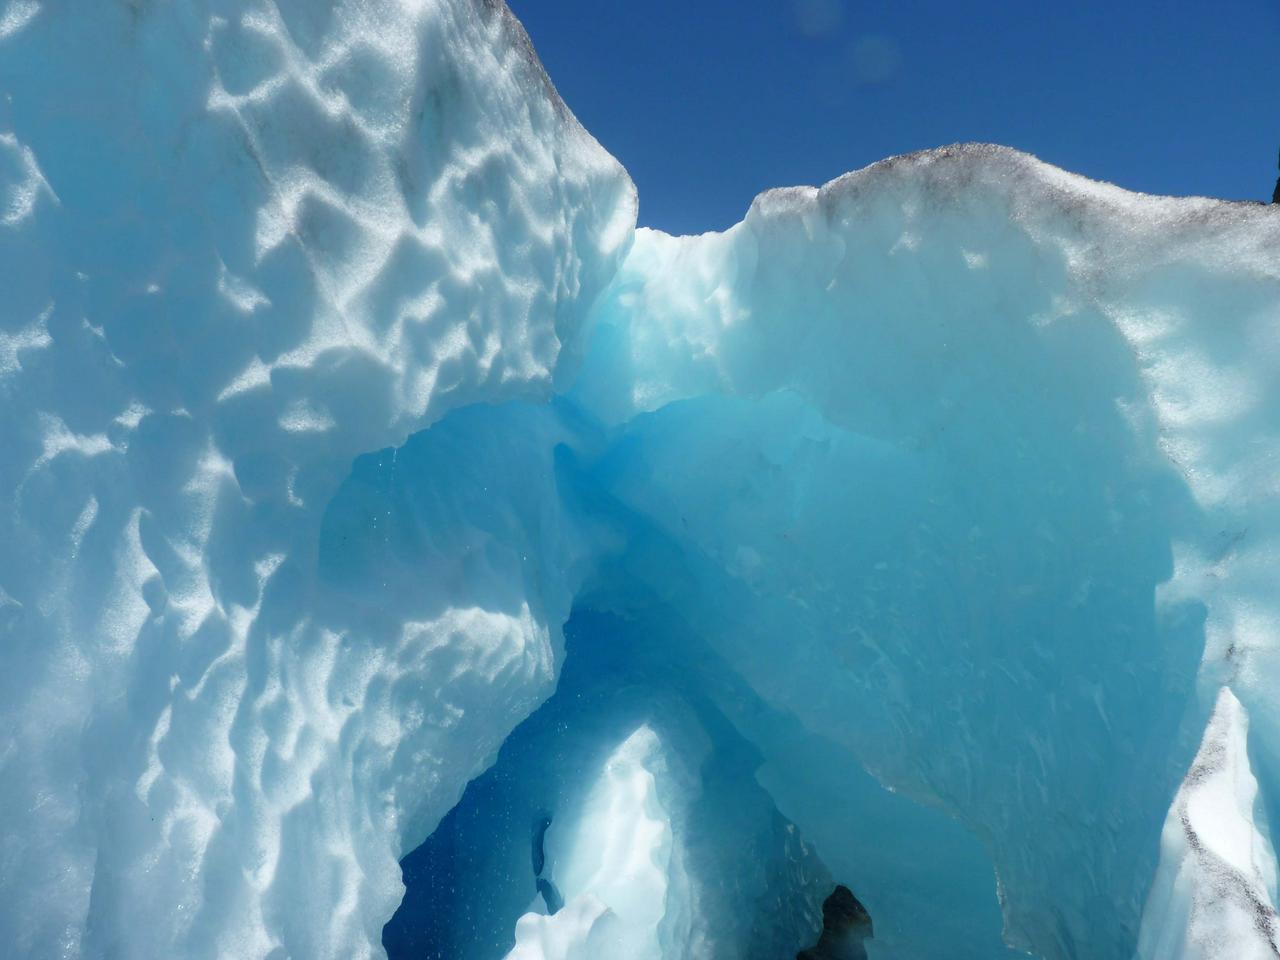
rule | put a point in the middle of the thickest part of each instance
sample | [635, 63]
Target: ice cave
[405, 556]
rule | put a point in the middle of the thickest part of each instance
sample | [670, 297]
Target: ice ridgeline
[917, 533]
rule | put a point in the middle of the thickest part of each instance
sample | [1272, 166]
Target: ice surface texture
[1214, 894]
[242, 243]
[335, 380]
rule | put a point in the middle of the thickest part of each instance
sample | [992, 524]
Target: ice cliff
[374, 492]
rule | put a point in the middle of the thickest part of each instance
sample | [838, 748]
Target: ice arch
[926, 514]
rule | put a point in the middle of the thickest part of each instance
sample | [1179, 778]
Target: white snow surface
[1214, 893]
[334, 377]
[612, 866]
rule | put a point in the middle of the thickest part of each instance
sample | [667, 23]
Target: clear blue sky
[708, 102]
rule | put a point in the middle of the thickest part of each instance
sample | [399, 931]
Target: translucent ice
[961, 441]
[375, 492]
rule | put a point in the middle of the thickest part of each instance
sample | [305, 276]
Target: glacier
[405, 555]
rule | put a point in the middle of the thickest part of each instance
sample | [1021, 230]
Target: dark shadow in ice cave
[485, 865]
[846, 926]
[469, 882]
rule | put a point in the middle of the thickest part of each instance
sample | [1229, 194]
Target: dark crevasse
[759, 885]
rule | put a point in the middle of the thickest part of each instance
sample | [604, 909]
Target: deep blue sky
[708, 102]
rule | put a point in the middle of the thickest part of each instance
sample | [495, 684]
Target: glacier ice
[242, 244]
[376, 492]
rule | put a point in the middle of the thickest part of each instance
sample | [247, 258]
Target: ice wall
[924, 515]
[240, 244]
[961, 438]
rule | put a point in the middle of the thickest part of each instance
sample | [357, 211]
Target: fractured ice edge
[375, 491]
